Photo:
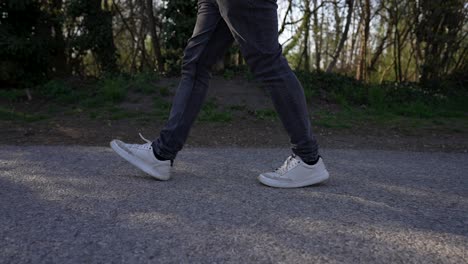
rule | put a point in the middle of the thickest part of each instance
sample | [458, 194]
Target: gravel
[79, 204]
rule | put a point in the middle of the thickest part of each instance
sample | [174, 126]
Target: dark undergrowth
[357, 101]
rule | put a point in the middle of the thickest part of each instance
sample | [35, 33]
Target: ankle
[157, 156]
[161, 158]
[312, 161]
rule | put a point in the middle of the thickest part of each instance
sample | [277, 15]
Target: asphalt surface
[87, 205]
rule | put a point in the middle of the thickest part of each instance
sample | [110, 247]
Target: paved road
[86, 205]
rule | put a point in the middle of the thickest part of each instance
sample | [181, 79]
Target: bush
[406, 99]
[144, 82]
[335, 86]
[61, 91]
[211, 113]
[378, 98]
[112, 89]
[12, 95]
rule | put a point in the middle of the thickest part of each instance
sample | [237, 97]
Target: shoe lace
[146, 140]
[288, 164]
[147, 145]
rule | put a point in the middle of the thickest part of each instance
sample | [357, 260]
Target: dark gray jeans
[253, 24]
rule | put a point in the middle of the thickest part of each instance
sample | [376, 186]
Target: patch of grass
[211, 113]
[161, 107]
[144, 82]
[228, 74]
[335, 86]
[332, 120]
[97, 102]
[12, 95]
[415, 109]
[88, 94]
[309, 94]
[60, 92]
[53, 109]
[409, 122]
[377, 99]
[112, 89]
[266, 114]
[124, 115]
[340, 99]
[73, 111]
[112, 112]
[164, 91]
[237, 107]
[93, 115]
[11, 115]
[239, 70]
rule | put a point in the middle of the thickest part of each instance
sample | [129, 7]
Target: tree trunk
[99, 24]
[343, 38]
[317, 37]
[288, 10]
[306, 52]
[380, 47]
[154, 36]
[361, 73]
[354, 40]
[60, 56]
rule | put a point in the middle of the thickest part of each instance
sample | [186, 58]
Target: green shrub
[266, 114]
[414, 109]
[228, 74]
[11, 115]
[113, 89]
[12, 95]
[144, 82]
[58, 90]
[162, 108]
[210, 112]
[164, 91]
[377, 99]
[335, 86]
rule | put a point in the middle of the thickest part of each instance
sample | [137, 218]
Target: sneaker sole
[136, 162]
[279, 184]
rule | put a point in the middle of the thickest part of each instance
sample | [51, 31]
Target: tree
[344, 36]
[361, 72]
[154, 36]
[25, 43]
[440, 30]
[179, 18]
[96, 32]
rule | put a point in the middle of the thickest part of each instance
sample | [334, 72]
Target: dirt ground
[242, 131]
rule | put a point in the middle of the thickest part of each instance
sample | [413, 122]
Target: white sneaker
[295, 173]
[141, 155]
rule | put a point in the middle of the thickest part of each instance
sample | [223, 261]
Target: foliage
[60, 91]
[112, 89]
[10, 114]
[333, 85]
[211, 112]
[266, 114]
[179, 20]
[404, 99]
[12, 95]
[93, 20]
[415, 61]
[25, 43]
[144, 82]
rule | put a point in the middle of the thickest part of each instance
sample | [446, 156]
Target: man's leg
[209, 42]
[254, 25]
